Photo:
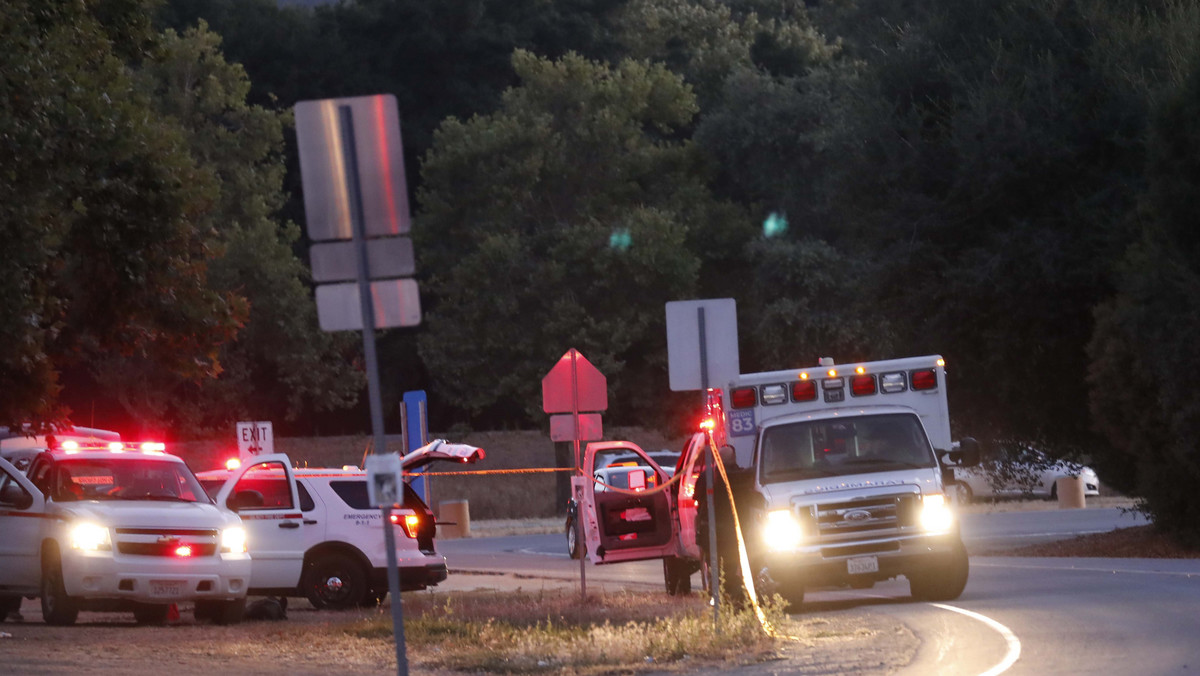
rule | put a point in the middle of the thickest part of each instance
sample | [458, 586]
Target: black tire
[572, 533]
[943, 580]
[334, 580]
[57, 608]
[154, 614]
[8, 606]
[677, 573]
[963, 495]
[793, 594]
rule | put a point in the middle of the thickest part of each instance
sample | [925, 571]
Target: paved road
[1017, 615]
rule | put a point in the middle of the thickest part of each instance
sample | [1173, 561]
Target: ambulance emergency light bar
[862, 384]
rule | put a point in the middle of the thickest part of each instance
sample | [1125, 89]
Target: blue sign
[416, 432]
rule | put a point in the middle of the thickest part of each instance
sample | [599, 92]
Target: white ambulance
[842, 468]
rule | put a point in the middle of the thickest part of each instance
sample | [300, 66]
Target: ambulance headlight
[936, 515]
[782, 531]
[233, 540]
[89, 537]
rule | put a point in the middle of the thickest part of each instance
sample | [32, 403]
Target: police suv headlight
[936, 515]
[782, 530]
[233, 540]
[89, 537]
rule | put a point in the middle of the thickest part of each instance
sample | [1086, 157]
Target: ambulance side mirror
[967, 454]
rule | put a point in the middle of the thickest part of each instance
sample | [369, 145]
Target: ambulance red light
[152, 446]
[707, 424]
[925, 379]
[861, 386]
[744, 397]
[70, 445]
[232, 464]
[805, 390]
[116, 446]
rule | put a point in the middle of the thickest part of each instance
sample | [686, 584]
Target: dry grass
[509, 632]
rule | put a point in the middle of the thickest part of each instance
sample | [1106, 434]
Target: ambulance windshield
[835, 447]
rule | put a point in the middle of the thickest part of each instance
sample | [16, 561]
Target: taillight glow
[233, 463]
[153, 446]
[707, 424]
[69, 445]
[744, 397]
[805, 390]
[924, 380]
[410, 525]
[116, 446]
[862, 385]
[183, 550]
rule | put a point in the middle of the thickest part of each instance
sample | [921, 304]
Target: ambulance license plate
[862, 564]
[166, 589]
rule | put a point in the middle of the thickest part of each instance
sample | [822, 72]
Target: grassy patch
[552, 632]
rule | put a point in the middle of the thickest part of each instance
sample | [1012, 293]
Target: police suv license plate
[862, 564]
[167, 589]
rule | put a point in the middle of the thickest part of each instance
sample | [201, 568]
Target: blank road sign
[324, 166]
[720, 356]
[386, 257]
[396, 302]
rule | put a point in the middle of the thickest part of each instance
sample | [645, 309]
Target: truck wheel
[8, 606]
[793, 594]
[151, 613]
[677, 573]
[334, 580]
[961, 493]
[573, 540]
[57, 608]
[941, 581]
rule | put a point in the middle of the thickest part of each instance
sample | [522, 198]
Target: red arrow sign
[574, 385]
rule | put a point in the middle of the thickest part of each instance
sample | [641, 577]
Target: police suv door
[626, 506]
[22, 523]
[264, 494]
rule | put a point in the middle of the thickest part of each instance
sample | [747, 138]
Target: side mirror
[968, 452]
[16, 496]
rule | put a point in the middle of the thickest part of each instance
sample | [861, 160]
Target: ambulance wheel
[943, 580]
[154, 614]
[961, 493]
[677, 573]
[334, 580]
[57, 608]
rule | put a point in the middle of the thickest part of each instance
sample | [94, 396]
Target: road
[1017, 615]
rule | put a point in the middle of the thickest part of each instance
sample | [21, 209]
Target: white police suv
[313, 533]
[117, 526]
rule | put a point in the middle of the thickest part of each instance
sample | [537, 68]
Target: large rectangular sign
[324, 163]
[718, 363]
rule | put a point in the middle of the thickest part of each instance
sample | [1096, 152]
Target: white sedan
[1019, 470]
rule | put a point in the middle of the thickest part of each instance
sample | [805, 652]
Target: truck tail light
[744, 397]
[925, 379]
[183, 550]
[805, 390]
[409, 523]
[862, 385]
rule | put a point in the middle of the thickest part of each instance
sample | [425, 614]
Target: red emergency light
[804, 390]
[862, 385]
[744, 397]
[925, 379]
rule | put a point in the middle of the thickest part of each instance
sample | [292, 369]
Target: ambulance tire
[677, 574]
[961, 493]
[943, 580]
[58, 609]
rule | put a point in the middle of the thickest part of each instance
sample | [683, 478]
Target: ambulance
[842, 473]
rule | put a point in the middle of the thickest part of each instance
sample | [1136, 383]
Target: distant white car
[1016, 470]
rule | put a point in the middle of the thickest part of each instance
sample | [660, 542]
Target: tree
[572, 233]
[98, 201]
[1143, 352]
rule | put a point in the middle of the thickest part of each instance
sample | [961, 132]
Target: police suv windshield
[125, 478]
[840, 446]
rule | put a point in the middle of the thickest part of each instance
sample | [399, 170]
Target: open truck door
[627, 511]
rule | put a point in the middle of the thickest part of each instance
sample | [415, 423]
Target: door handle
[289, 524]
[309, 522]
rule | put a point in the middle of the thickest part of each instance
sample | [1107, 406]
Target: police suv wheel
[57, 608]
[334, 580]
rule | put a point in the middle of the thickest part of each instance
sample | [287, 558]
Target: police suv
[313, 533]
[117, 526]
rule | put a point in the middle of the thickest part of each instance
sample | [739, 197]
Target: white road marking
[1014, 644]
[1089, 569]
